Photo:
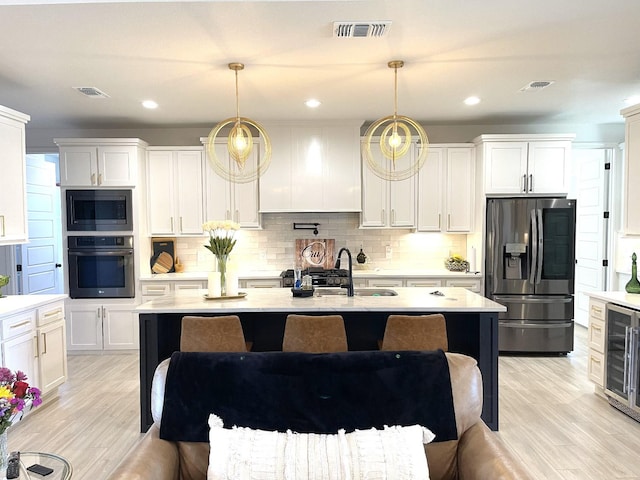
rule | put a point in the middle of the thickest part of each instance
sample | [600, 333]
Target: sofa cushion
[307, 393]
[239, 453]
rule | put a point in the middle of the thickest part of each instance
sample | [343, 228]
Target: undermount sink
[358, 292]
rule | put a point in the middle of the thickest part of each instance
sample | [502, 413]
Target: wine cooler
[623, 351]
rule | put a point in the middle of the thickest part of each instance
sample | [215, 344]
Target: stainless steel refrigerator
[530, 269]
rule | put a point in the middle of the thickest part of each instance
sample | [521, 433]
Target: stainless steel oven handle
[100, 253]
[625, 380]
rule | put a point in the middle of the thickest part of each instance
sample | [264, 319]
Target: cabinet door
[52, 358]
[548, 167]
[84, 327]
[117, 166]
[160, 192]
[430, 192]
[374, 199]
[631, 219]
[188, 194]
[120, 328]
[402, 203]
[19, 353]
[460, 191]
[79, 166]
[13, 213]
[505, 167]
[245, 197]
[276, 185]
[341, 182]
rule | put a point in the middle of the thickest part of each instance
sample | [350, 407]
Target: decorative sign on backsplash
[315, 252]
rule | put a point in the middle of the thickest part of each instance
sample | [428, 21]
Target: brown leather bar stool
[314, 334]
[415, 332]
[213, 334]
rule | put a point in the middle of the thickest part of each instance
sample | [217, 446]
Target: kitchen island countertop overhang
[472, 326]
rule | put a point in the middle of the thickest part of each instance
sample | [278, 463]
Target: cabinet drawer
[261, 283]
[18, 324]
[50, 313]
[189, 285]
[595, 367]
[385, 282]
[597, 309]
[473, 285]
[426, 282]
[155, 289]
[596, 335]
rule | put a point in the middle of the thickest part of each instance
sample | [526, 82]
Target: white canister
[213, 285]
[232, 282]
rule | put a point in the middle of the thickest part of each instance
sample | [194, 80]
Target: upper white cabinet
[387, 203]
[175, 195]
[314, 168]
[631, 219]
[13, 201]
[99, 162]
[525, 164]
[446, 190]
[225, 200]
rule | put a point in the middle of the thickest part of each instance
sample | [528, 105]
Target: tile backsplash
[273, 247]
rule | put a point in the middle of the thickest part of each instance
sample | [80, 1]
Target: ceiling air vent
[92, 92]
[361, 29]
[536, 86]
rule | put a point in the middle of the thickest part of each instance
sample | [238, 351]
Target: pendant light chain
[237, 99]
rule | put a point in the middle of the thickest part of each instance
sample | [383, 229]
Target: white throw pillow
[395, 453]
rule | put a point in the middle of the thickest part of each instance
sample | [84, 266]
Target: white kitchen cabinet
[13, 201]
[446, 190]
[152, 289]
[424, 282]
[525, 164]
[175, 191]
[99, 162]
[225, 200]
[385, 282]
[387, 203]
[472, 284]
[52, 346]
[19, 345]
[631, 213]
[99, 326]
[260, 283]
[315, 167]
[596, 341]
[34, 341]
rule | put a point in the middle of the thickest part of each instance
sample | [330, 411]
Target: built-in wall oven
[99, 210]
[101, 266]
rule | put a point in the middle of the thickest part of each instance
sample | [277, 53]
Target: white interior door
[591, 228]
[41, 258]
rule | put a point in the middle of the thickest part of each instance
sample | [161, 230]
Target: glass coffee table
[62, 469]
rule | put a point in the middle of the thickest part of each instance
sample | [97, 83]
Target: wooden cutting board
[163, 263]
[315, 252]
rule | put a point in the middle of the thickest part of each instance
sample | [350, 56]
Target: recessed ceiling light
[471, 101]
[312, 103]
[150, 104]
[632, 100]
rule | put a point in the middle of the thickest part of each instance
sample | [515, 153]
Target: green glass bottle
[633, 286]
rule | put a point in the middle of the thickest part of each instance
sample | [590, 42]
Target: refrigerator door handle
[625, 370]
[540, 252]
[534, 247]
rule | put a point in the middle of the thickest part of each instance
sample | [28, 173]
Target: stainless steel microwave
[99, 210]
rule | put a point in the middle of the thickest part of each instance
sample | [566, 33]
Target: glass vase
[633, 286]
[4, 454]
[222, 268]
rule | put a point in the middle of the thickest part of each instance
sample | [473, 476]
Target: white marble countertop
[625, 299]
[16, 303]
[418, 299]
[357, 273]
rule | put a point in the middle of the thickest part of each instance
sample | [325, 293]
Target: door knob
[58, 265]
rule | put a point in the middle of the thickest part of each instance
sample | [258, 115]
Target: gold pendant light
[238, 162]
[388, 141]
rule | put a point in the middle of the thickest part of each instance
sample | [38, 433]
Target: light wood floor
[549, 417]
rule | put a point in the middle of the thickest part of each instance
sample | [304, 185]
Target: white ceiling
[176, 53]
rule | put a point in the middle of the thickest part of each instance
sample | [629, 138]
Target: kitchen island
[472, 326]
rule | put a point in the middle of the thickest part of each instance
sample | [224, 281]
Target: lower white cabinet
[472, 284]
[596, 340]
[260, 283]
[99, 326]
[424, 282]
[385, 282]
[33, 341]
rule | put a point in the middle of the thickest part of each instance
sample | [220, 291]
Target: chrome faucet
[349, 286]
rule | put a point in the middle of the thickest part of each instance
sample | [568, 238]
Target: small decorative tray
[226, 297]
[301, 292]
